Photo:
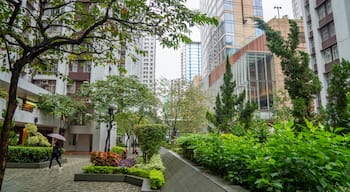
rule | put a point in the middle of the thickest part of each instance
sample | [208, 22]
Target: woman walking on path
[56, 154]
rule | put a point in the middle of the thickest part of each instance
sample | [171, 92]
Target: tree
[125, 93]
[194, 104]
[46, 30]
[300, 81]
[184, 106]
[150, 138]
[337, 101]
[62, 106]
[229, 107]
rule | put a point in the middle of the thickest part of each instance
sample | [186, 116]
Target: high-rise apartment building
[235, 29]
[297, 9]
[144, 65]
[190, 61]
[327, 30]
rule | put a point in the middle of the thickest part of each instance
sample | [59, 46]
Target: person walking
[56, 154]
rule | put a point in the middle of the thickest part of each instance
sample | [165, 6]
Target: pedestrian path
[54, 180]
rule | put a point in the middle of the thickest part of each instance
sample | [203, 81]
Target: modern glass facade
[190, 61]
[235, 29]
[253, 73]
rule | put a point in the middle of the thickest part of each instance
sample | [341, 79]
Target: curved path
[45, 180]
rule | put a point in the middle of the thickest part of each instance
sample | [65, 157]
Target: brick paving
[44, 180]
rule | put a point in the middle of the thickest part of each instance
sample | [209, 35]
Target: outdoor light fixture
[35, 120]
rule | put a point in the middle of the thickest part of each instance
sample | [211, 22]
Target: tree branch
[15, 12]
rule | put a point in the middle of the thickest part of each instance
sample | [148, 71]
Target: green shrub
[35, 138]
[311, 160]
[101, 169]
[116, 170]
[138, 172]
[13, 138]
[150, 137]
[154, 163]
[28, 154]
[156, 179]
[117, 149]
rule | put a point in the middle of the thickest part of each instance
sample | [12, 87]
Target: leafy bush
[150, 137]
[34, 137]
[311, 160]
[28, 154]
[117, 149]
[13, 138]
[116, 170]
[155, 163]
[138, 172]
[156, 179]
[105, 159]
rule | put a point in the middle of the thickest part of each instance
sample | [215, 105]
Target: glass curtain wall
[253, 73]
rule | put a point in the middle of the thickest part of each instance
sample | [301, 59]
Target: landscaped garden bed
[146, 170]
[309, 160]
[109, 166]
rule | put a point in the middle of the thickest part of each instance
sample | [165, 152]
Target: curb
[138, 181]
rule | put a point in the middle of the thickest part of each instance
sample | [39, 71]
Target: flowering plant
[105, 159]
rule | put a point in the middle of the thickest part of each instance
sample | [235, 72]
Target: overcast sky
[168, 60]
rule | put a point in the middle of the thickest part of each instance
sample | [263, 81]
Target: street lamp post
[278, 10]
[110, 126]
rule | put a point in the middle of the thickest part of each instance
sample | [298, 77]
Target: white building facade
[327, 30]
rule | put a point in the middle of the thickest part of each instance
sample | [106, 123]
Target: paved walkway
[44, 180]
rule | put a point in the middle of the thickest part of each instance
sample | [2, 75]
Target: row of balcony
[31, 115]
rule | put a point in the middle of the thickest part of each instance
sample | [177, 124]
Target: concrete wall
[181, 176]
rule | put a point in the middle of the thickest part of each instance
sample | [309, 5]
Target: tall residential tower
[190, 61]
[327, 30]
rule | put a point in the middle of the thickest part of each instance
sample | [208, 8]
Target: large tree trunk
[11, 107]
[108, 138]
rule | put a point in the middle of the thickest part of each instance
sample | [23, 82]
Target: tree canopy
[300, 81]
[338, 87]
[184, 106]
[125, 93]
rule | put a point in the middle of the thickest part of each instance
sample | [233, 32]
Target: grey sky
[168, 60]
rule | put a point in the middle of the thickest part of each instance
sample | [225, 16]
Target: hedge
[26, 154]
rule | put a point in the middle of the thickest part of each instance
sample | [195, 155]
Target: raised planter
[138, 181]
[32, 165]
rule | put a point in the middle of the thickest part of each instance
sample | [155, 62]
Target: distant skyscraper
[235, 29]
[297, 9]
[190, 61]
[328, 37]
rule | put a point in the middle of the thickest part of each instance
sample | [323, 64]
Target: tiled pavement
[54, 180]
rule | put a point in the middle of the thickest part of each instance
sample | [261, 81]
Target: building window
[321, 12]
[327, 55]
[73, 67]
[71, 88]
[87, 67]
[335, 53]
[324, 10]
[329, 7]
[324, 33]
[327, 31]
